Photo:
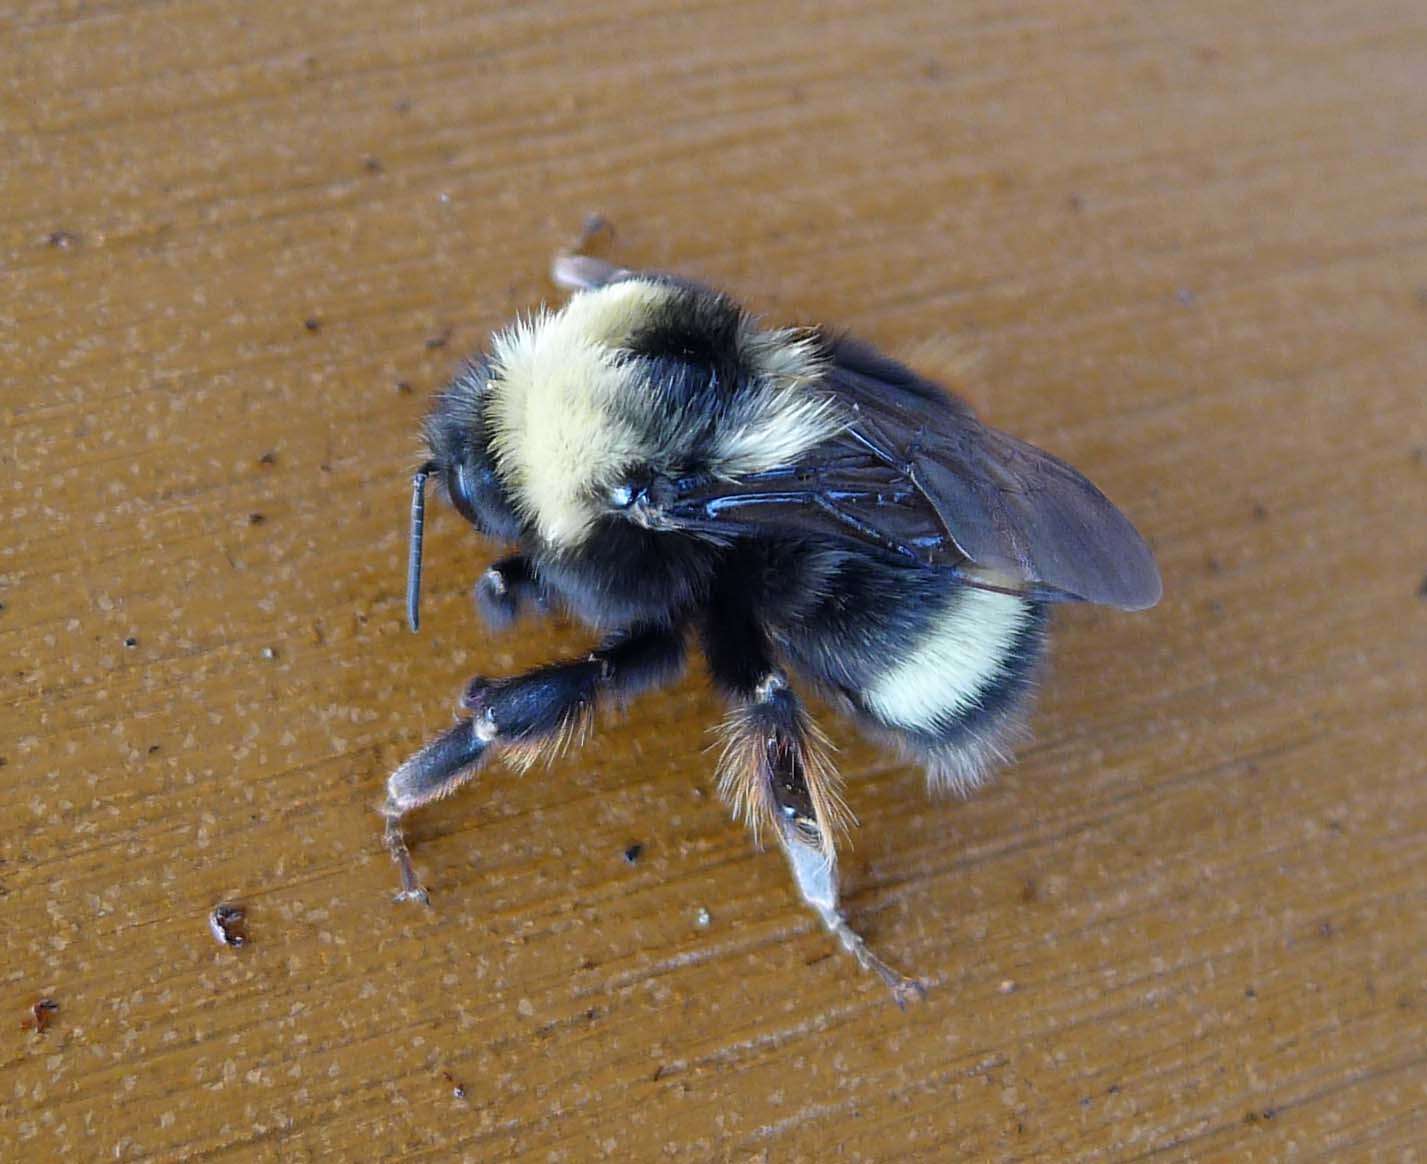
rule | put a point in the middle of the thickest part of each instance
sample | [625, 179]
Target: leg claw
[411, 888]
[906, 991]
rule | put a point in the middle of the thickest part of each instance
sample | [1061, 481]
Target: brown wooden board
[1183, 246]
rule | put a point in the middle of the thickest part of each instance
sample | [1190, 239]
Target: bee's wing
[916, 473]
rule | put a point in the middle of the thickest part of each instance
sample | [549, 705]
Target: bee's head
[461, 455]
[461, 461]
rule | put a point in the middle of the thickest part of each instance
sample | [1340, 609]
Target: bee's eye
[622, 496]
[469, 488]
[459, 486]
[477, 494]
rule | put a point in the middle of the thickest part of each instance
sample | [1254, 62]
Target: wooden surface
[241, 244]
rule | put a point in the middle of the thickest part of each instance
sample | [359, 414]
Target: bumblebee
[799, 504]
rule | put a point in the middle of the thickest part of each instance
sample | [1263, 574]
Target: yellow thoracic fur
[565, 415]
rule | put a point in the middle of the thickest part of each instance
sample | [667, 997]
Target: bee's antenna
[418, 530]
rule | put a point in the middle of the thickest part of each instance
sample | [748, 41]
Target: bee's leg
[776, 770]
[523, 719]
[507, 588]
[583, 273]
[435, 771]
[816, 875]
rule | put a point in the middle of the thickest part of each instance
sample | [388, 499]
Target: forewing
[1012, 507]
[917, 474]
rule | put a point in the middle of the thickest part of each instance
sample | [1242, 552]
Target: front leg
[776, 771]
[507, 588]
[524, 718]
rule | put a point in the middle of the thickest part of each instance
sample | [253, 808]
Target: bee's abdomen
[967, 660]
[945, 669]
[957, 696]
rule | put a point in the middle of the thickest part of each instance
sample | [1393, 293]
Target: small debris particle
[42, 1014]
[269, 652]
[225, 923]
[131, 642]
[1250, 992]
[1260, 511]
[1325, 929]
[268, 458]
[631, 854]
[256, 518]
[703, 918]
[1185, 297]
[404, 387]
[1008, 986]
[439, 340]
[458, 1089]
[1422, 588]
[372, 165]
[312, 323]
[153, 749]
[62, 239]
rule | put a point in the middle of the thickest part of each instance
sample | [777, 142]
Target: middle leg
[524, 718]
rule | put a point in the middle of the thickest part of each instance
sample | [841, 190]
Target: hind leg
[776, 772]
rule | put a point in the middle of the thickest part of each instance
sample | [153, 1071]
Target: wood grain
[1185, 246]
